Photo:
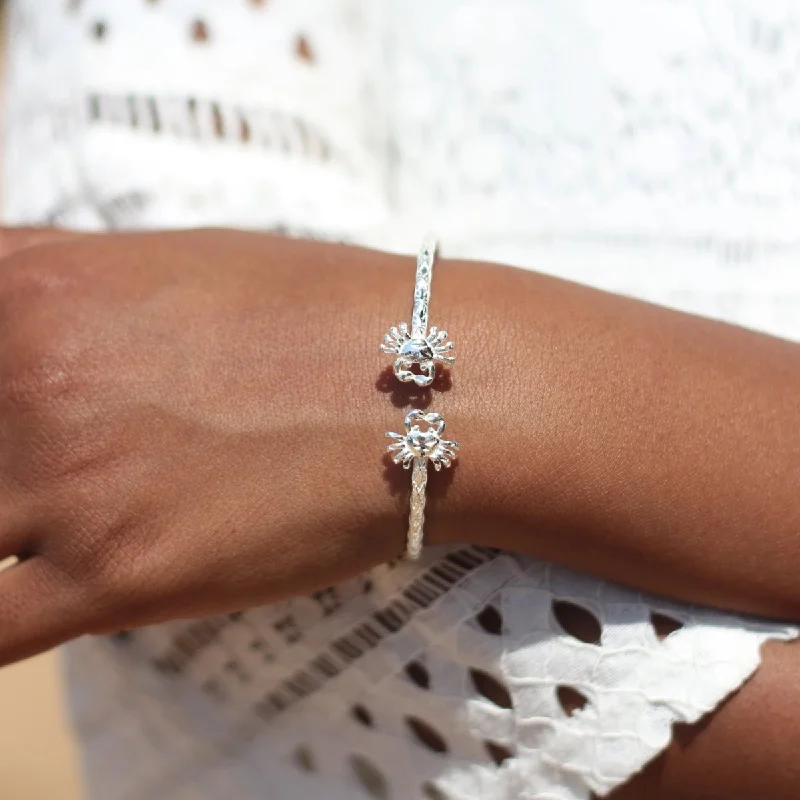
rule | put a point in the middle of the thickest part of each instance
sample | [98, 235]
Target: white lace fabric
[649, 148]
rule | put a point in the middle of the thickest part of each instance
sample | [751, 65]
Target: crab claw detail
[423, 352]
[420, 443]
[404, 373]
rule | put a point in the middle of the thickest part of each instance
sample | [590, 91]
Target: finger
[12, 240]
[17, 538]
[38, 610]
[14, 543]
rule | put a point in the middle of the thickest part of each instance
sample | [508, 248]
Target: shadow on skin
[409, 395]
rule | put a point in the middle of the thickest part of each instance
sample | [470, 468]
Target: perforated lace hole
[304, 759]
[99, 30]
[133, 111]
[426, 735]
[430, 791]
[244, 130]
[498, 752]
[360, 714]
[491, 688]
[302, 49]
[199, 31]
[491, 620]
[577, 621]
[155, 116]
[218, 120]
[417, 674]
[570, 699]
[370, 777]
[664, 625]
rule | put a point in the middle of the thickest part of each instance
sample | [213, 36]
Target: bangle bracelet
[416, 447]
[420, 348]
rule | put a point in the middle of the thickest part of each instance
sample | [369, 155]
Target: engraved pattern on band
[416, 517]
[423, 440]
[415, 448]
[422, 287]
[418, 349]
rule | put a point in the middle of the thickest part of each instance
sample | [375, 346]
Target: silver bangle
[418, 347]
[420, 445]
[416, 447]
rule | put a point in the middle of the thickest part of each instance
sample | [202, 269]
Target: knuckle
[31, 275]
[40, 385]
[40, 362]
[49, 433]
[42, 376]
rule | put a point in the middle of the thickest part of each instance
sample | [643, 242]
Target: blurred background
[37, 757]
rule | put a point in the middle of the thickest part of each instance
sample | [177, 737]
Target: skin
[192, 423]
[745, 749]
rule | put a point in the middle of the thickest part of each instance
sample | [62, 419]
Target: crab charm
[421, 351]
[418, 445]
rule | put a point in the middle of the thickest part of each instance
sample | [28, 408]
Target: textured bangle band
[416, 447]
[420, 348]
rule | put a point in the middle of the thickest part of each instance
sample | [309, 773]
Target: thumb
[14, 239]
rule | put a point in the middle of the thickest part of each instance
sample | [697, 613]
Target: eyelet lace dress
[648, 148]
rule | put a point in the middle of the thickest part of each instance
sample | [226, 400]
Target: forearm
[746, 749]
[220, 387]
[652, 447]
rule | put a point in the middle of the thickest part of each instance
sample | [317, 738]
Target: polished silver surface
[418, 347]
[418, 350]
[422, 442]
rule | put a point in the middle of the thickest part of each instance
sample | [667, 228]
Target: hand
[193, 423]
[189, 424]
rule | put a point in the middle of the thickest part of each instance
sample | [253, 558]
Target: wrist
[488, 401]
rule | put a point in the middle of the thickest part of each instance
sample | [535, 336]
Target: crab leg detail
[419, 347]
[416, 447]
